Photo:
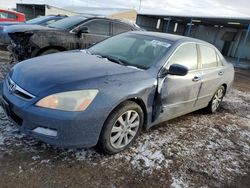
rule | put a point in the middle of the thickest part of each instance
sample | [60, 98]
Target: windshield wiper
[86, 51]
[113, 59]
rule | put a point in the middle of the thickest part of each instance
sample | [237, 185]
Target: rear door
[212, 73]
[99, 29]
[179, 93]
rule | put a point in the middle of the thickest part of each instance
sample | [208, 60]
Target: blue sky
[186, 7]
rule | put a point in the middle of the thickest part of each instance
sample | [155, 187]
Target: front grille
[18, 91]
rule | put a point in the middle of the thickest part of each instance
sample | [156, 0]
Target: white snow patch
[84, 154]
[150, 158]
[178, 183]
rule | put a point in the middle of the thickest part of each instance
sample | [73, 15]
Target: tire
[117, 134]
[49, 51]
[215, 102]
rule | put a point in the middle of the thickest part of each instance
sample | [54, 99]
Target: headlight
[69, 101]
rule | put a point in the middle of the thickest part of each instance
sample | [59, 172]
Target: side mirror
[178, 70]
[84, 30]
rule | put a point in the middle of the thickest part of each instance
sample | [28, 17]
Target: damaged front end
[20, 47]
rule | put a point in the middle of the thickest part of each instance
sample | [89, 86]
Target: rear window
[67, 23]
[37, 20]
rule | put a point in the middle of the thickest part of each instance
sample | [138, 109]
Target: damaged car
[71, 33]
[42, 20]
[107, 94]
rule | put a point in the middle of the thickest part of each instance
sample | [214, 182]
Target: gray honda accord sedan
[107, 94]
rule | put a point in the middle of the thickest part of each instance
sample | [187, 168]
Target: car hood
[40, 74]
[26, 28]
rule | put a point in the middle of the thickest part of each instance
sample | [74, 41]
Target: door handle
[196, 79]
[220, 73]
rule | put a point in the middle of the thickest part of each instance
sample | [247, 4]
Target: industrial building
[229, 35]
[35, 10]
[119, 13]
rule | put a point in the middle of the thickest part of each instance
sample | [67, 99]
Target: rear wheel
[215, 102]
[49, 51]
[121, 128]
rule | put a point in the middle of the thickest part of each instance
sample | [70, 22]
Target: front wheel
[121, 128]
[215, 102]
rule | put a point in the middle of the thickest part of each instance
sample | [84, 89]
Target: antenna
[140, 6]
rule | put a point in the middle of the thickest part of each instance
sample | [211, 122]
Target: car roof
[57, 15]
[90, 17]
[170, 37]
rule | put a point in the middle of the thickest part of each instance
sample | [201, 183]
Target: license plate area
[7, 109]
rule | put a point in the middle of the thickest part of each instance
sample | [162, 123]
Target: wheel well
[225, 86]
[143, 107]
[59, 48]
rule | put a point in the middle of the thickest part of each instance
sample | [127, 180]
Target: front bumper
[74, 129]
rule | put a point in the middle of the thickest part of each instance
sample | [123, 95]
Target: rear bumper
[73, 129]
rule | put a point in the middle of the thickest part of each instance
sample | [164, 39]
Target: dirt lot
[196, 150]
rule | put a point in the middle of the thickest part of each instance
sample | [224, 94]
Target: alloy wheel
[217, 99]
[125, 129]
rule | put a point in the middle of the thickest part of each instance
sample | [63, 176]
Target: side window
[7, 15]
[99, 27]
[3, 15]
[186, 55]
[12, 16]
[219, 60]
[208, 57]
[120, 28]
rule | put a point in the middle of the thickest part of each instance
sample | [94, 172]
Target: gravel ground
[196, 150]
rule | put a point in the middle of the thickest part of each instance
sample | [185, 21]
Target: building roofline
[198, 17]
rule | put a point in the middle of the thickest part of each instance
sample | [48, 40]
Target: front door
[98, 30]
[179, 93]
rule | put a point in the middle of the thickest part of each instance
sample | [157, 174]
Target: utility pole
[140, 6]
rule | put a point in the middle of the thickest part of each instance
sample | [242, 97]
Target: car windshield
[37, 20]
[67, 23]
[129, 49]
